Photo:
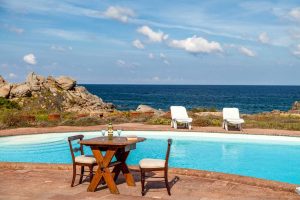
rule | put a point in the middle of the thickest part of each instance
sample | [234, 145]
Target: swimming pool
[269, 157]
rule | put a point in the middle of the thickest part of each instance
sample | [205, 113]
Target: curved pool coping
[274, 185]
[142, 127]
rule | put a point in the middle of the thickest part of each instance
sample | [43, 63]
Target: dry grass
[12, 116]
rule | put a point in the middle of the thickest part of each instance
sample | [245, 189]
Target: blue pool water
[268, 157]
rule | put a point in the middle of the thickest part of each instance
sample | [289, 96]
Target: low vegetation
[13, 116]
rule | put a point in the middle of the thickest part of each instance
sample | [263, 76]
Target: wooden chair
[149, 165]
[81, 160]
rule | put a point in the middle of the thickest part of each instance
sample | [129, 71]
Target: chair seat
[152, 163]
[86, 159]
[184, 120]
[235, 121]
[298, 190]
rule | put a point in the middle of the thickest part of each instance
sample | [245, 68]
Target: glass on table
[119, 131]
[103, 132]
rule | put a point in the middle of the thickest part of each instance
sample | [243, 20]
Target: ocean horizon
[248, 98]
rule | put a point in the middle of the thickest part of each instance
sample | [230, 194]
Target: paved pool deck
[144, 127]
[52, 181]
[21, 181]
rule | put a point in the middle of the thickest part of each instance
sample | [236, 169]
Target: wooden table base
[103, 171]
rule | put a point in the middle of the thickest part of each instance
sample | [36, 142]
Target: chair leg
[143, 181]
[175, 124]
[74, 175]
[81, 174]
[91, 173]
[167, 183]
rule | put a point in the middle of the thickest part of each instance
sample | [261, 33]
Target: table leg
[121, 156]
[103, 170]
[110, 181]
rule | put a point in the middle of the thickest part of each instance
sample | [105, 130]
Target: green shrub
[7, 104]
[41, 117]
[159, 121]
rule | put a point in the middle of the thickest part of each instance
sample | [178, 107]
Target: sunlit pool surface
[269, 157]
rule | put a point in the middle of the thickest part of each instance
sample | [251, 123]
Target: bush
[202, 109]
[11, 119]
[160, 121]
[7, 104]
[41, 117]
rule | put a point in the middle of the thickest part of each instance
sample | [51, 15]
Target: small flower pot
[54, 117]
[28, 118]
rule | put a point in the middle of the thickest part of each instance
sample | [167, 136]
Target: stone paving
[54, 184]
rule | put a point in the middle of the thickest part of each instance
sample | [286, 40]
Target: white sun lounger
[232, 116]
[179, 114]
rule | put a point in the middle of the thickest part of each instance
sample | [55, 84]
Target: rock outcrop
[57, 94]
[295, 108]
[65, 82]
[20, 90]
[2, 81]
[145, 108]
[4, 90]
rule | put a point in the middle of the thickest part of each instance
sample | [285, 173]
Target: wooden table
[120, 148]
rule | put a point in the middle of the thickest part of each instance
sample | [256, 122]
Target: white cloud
[155, 78]
[124, 64]
[138, 44]
[295, 13]
[247, 52]
[67, 35]
[164, 58]
[166, 62]
[119, 13]
[12, 75]
[264, 38]
[153, 36]
[196, 45]
[151, 55]
[121, 62]
[60, 48]
[296, 52]
[30, 59]
[162, 55]
[15, 29]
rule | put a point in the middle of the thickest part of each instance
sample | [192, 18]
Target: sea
[249, 99]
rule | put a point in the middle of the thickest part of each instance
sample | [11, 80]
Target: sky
[208, 42]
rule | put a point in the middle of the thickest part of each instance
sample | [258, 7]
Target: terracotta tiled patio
[53, 182]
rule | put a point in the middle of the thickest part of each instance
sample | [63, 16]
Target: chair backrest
[231, 113]
[168, 152]
[178, 112]
[75, 149]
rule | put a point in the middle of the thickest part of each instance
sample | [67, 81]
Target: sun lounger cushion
[87, 159]
[152, 163]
